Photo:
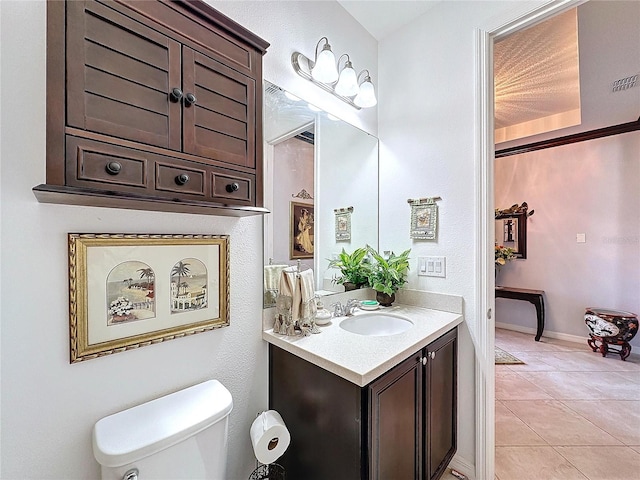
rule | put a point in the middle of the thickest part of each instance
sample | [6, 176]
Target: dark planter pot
[384, 299]
[348, 286]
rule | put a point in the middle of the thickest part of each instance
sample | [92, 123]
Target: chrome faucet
[351, 306]
[338, 311]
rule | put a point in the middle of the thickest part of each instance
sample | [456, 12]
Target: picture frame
[424, 220]
[132, 290]
[343, 224]
[301, 236]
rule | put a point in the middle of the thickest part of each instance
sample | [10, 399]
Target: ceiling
[380, 17]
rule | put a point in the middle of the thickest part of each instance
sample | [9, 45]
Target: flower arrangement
[504, 254]
[120, 307]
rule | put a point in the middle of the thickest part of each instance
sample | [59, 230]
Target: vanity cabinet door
[395, 422]
[440, 404]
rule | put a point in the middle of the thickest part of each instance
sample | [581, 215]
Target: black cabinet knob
[113, 168]
[189, 99]
[232, 187]
[175, 95]
[182, 179]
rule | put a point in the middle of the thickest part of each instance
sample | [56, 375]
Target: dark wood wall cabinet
[153, 105]
[402, 426]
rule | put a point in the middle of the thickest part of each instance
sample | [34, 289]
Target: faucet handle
[338, 311]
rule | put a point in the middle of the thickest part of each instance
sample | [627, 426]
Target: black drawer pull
[233, 187]
[189, 99]
[175, 95]
[182, 179]
[113, 168]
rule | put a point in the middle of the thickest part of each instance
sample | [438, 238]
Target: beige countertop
[360, 358]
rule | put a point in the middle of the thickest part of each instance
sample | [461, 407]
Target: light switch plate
[432, 267]
[581, 238]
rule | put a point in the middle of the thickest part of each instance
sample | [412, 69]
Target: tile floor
[567, 414]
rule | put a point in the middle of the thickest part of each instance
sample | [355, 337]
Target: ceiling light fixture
[343, 82]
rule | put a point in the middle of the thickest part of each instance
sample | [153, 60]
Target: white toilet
[179, 436]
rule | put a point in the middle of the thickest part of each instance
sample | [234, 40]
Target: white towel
[271, 282]
[307, 294]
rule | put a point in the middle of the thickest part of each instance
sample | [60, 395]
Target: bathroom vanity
[368, 407]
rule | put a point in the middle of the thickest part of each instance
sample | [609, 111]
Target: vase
[384, 299]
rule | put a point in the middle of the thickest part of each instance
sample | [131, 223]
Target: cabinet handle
[423, 360]
[189, 99]
[176, 95]
[232, 187]
[432, 355]
[113, 168]
[182, 179]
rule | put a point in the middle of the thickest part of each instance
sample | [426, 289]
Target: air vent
[625, 83]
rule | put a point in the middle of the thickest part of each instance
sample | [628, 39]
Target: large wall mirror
[321, 187]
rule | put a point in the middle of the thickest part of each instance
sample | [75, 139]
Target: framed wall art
[424, 218]
[343, 224]
[301, 236]
[128, 290]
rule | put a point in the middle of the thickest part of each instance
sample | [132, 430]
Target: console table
[531, 296]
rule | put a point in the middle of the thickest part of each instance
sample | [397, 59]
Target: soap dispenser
[323, 316]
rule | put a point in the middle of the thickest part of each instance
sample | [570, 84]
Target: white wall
[49, 406]
[589, 187]
[426, 129]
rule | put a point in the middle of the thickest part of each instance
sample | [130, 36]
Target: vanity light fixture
[341, 82]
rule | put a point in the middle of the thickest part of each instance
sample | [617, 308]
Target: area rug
[505, 358]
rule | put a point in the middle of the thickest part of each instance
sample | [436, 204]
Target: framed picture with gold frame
[301, 236]
[131, 290]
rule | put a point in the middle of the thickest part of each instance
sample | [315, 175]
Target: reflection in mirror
[511, 231]
[317, 167]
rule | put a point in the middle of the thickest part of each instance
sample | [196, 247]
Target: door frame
[484, 37]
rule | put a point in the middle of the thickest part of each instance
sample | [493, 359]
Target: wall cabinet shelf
[400, 426]
[153, 105]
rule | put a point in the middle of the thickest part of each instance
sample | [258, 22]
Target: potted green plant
[354, 268]
[387, 275]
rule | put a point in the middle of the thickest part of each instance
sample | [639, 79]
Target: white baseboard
[464, 466]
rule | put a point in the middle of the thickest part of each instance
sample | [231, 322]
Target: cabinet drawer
[176, 177]
[91, 164]
[232, 188]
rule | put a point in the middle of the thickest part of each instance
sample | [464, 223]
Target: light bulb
[347, 85]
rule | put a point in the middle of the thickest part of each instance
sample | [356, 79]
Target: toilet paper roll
[269, 436]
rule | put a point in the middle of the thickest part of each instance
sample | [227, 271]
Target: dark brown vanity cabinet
[155, 103]
[402, 426]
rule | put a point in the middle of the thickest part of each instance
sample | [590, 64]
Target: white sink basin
[376, 324]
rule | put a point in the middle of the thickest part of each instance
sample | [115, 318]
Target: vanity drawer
[232, 187]
[180, 177]
[91, 164]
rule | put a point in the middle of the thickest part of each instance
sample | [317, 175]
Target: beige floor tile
[609, 385]
[534, 463]
[533, 362]
[619, 418]
[512, 386]
[561, 385]
[558, 424]
[635, 448]
[510, 430]
[631, 376]
[604, 463]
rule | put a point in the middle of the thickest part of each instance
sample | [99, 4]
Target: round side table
[610, 328]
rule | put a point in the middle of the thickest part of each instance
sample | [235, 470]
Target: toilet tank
[179, 436]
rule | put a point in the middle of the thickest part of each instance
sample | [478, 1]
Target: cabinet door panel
[396, 422]
[119, 74]
[441, 404]
[219, 125]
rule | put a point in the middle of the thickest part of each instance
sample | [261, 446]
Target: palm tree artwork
[186, 277]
